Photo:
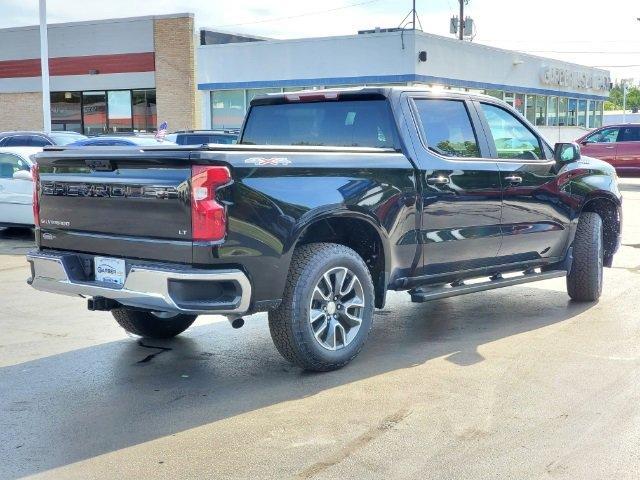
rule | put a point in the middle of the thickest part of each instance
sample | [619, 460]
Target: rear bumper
[153, 287]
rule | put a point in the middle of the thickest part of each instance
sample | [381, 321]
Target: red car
[618, 145]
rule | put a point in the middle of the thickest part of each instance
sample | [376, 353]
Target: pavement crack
[353, 446]
[151, 356]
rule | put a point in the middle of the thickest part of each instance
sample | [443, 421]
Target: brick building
[124, 74]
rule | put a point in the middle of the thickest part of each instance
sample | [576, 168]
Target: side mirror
[566, 152]
[22, 175]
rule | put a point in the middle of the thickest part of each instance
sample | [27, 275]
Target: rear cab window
[447, 127]
[341, 123]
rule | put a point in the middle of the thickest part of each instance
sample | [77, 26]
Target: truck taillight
[208, 217]
[35, 174]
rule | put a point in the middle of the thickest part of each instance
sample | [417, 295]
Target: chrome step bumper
[161, 289]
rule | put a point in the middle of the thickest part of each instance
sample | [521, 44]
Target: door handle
[513, 179]
[439, 180]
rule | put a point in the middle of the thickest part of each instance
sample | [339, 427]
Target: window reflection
[66, 111]
[119, 108]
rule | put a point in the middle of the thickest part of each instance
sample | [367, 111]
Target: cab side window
[629, 134]
[447, 127]
[513, 140]
[606, 135]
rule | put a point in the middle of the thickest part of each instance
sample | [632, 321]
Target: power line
[582, 51]
[615, 66]
[277, 19]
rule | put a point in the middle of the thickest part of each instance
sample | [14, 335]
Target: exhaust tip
[237, 322]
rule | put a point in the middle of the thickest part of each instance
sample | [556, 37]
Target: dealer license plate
[109, 270]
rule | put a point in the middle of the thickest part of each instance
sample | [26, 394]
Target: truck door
[460, 187]
[535, 220]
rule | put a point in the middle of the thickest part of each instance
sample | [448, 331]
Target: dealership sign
[579, 80]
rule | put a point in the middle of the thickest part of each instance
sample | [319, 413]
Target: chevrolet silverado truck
[330, 199]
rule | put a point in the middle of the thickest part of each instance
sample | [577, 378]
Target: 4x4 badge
[268, 161]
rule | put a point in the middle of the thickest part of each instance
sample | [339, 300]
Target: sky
[587, 32]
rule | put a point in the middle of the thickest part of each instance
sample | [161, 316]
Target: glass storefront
[66, 111]
[144, 110]
[97, 112]
[530, 112]
[119, 109]
[562, 111]
[582, 113]
[572, 112]
[94, 112]
[552, 111]
[541, 110]
[228, 107]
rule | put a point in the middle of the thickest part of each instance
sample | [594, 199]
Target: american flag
[162, 131]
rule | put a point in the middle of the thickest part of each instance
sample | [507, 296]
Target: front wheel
[152, 324]
[584, 282]
[327, 308]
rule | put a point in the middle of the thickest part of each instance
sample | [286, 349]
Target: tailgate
[88, 199]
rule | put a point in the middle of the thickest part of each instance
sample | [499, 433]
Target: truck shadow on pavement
[66, 408]
[16, 241]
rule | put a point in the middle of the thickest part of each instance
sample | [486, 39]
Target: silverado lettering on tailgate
[70, 189]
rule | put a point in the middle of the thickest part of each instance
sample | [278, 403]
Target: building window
[530, 109]
[552, 111]
[66, 111]
[572, 112]
[119, 111]
[494, 93]
[562, 111]
[94, 112]
[227, 108]
[582, 113]
[98, 112]
[144, 110]
[541, 110]
[597, 113]
[518, 103]
[255, 92]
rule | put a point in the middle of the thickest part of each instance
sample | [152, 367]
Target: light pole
[44, 66]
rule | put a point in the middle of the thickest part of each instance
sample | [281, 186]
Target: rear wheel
[152, 324]
[584, 282]
[327, 308]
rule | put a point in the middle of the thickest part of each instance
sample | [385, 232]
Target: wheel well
[611, 223]
[360, 236]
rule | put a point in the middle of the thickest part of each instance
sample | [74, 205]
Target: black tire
[290, 324]
[584, 282]
[151, 325]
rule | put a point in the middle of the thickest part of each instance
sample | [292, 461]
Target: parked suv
[618, 145]
[37, 139]
[201, 137]
[330, 199]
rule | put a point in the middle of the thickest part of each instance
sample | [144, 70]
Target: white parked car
[16, 186]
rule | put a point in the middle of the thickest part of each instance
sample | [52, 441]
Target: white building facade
[548, 92]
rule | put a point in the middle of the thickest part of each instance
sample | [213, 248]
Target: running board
[425, 294]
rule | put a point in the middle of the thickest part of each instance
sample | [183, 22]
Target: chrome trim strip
[144, 287]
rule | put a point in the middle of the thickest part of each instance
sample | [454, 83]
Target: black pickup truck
[329, 199]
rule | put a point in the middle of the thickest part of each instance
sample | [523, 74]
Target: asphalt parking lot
[515, 383]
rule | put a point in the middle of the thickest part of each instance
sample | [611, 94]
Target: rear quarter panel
[277, 195]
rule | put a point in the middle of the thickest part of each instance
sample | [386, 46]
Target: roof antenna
[404, 24]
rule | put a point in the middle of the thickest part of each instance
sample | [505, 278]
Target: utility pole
[461, 27]
[624, 101]
[44, 66]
